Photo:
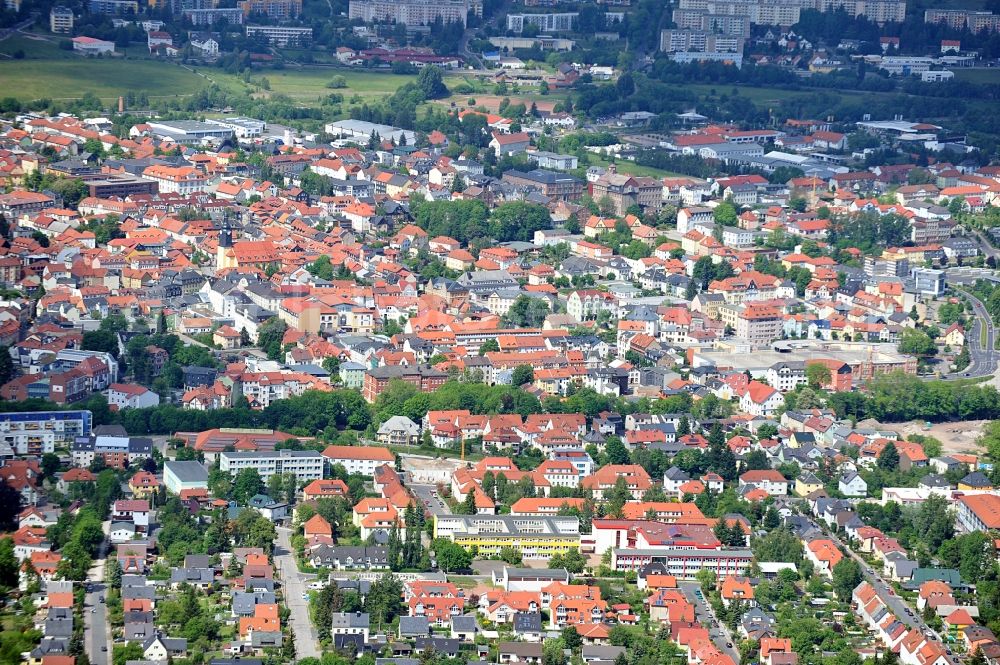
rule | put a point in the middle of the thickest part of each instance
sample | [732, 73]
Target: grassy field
[34, 46]
[631, 168]
[309, 83]
[48, 71]
[755, 95]
[989, 75]
[72, 78]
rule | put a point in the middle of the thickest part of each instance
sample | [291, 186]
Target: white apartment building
[546, 22]
[412, 12]
[280, 35]
[361, 460]
[184, 180]
[305, 464]
[61, 20]
[39, 432]
[785, 376]
[672, 41]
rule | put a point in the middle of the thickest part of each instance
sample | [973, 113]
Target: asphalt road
[293, 587]
[96, 632]
[982, 359]
[435, 504]
[718, 631]
[986, 246]
[906, 614]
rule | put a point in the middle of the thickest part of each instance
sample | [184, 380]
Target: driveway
[293, 587]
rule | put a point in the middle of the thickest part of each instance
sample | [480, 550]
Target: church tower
[223, 254]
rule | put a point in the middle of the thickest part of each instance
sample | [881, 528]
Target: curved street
[983, 357]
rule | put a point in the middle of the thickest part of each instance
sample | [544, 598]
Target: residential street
[96, 633]
[909, 616]
[294, 587]
[425, 494]
[983, 360]
[718, 631]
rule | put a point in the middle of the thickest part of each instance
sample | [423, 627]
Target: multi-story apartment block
[546, 22]
[694, 19]
[304, 464]
[879, 11]
[61, 20]
[177, 179]
[672, 41]
[625, 191]
[361, 460]
[210, 16]
[426, 379]
[685, 563]
[759, 324]
[412, 12]
[113, 444]
[278, 10]
[978, 512]
[42, 432]
[280, 35]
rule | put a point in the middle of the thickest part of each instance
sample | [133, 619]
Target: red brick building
[425, 379]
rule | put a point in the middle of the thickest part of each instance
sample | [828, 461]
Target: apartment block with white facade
[305, 464]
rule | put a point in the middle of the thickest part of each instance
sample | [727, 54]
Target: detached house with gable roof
[761, 399]
[509, 144]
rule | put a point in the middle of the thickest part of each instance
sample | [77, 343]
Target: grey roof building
[414, 627]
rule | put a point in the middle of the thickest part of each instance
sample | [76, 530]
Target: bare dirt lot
[958, 437]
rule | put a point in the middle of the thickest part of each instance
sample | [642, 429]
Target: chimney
[121, 104]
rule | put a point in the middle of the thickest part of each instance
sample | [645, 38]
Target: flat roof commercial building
[865, 359]
[244, 128]
[362, 131]
[189, 131]
[184, 475]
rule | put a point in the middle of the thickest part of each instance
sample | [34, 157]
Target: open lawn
[492, 102]
[625, 166]
[987, 75]
[107, 78]
[309, 83]
[34, 46]
[754, 94]
[47, 71]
